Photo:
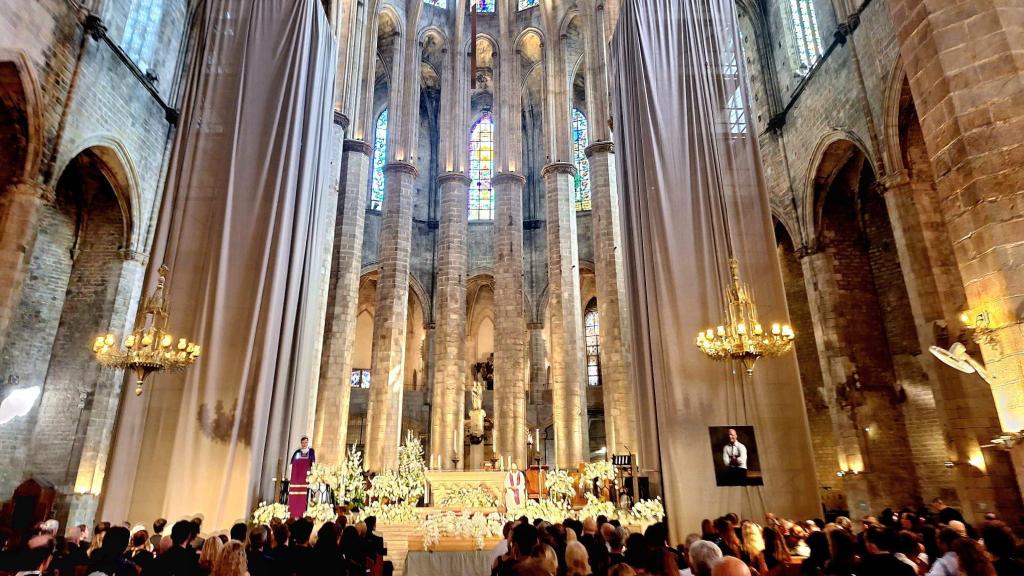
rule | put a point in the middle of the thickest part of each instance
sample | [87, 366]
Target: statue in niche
[477, 427]
[484, 372]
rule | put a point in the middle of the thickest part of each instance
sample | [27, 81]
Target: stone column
[450, 375]
[510, 384]
[333, 393]
[569, 399]
[970, 111]
[868, 425]
[936, 296]
[19, 217]
[106, 397]
[387, 373]
[538, 357]
[619, 398]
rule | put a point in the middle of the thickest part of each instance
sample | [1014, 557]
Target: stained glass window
[481, 168]
[524, 4]
[438, 3]
[484, 6]
[737, 114]
[380, 152]
[142, 31]
[805, 32]
[592, 330]
[360, 378]
[580, 141]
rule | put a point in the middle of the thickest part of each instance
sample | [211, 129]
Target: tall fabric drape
[243, 229]
[682, 133]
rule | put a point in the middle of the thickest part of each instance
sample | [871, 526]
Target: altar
[440, 482]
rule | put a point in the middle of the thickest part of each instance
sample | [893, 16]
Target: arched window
[380, 152]
[524, 4]
[360, 378]
[592, 332]
[481, 168]
[806, 39]
[142, 31]
[580, 141]
[484, 6]
[438, 3]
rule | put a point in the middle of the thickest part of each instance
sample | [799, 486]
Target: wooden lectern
[298, 490]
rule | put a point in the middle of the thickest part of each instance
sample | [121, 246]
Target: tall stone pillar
[332, 401]
[970, 111]
[868, 424]
[538, 357]
[619, 398]
[510, 384]
[450, 374]
[387, 373]
[19, 217]
[936, 296]
[569, 399]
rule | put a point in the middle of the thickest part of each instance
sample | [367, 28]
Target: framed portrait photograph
[734, 452]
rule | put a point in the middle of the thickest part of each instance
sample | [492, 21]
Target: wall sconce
[1006, 440]
[850, 472]
[980, 326]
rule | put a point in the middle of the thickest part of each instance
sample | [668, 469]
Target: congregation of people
[897, 543]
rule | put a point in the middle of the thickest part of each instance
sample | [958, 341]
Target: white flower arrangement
[594, 508]
[352, 486]
[467, 497]
[476, 526]
[559, 486]
[324, 475]
[389, 514]
[553, 511]
[600, 471]
[265, 513]
[646, 512]
[321, 513]
[407, 484]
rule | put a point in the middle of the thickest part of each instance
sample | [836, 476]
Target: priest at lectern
[298, 489]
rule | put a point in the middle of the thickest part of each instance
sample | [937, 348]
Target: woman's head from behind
[576, 560]
[231, 561]
[753, 538]
[210, 553]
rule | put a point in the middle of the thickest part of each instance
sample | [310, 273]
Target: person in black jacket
[880, 543]
[260, 564]
[180, 559]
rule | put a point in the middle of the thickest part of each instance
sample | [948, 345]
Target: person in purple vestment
[305, 452]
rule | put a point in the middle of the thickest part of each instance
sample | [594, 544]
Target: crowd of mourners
[937, 542]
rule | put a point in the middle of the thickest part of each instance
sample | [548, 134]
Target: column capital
[401, 167]
[359, 146]
[32, 189]
[129, 255]
[804, 251]
[341, 119]
[512, 177]
[606, 146]
[455, 177]
[559, 168]
[894, 180]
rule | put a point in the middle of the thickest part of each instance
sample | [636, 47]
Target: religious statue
[476, 414]
[515, 488]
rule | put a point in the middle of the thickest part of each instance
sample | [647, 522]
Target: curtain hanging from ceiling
[683, 132]
[243, 228]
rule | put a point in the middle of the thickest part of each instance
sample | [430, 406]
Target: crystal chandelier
[742, 337]
[149, 348]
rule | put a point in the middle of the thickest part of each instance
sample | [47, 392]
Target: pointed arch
[832, 152]
[31, 102]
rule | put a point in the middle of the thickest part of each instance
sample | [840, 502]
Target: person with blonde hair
[577, 562]
[752, 546]
[621, 570]
[209, 554]
[231, 561]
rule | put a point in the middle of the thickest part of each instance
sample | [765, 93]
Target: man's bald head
[590, 525]
[730, 566]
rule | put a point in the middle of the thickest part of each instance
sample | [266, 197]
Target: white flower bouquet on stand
[559, 486]
[265, 513]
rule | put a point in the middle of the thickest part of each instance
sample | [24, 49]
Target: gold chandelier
[742, 337]
[150, 347]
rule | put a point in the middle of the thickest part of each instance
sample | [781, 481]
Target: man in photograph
[734, 456]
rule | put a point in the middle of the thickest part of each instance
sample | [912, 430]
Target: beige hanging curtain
[242, 228]
[683, 131]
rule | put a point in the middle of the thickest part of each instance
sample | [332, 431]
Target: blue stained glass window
[380, 152]
[481, 168]
[360, 378]
[438, 3]
[592, 332]
[524, 4]
[484, 6]
[141, 31]
[580, 141]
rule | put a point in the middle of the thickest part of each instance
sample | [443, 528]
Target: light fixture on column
[150, 347]
[956, 357]
[980, 326]
[742, 337]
